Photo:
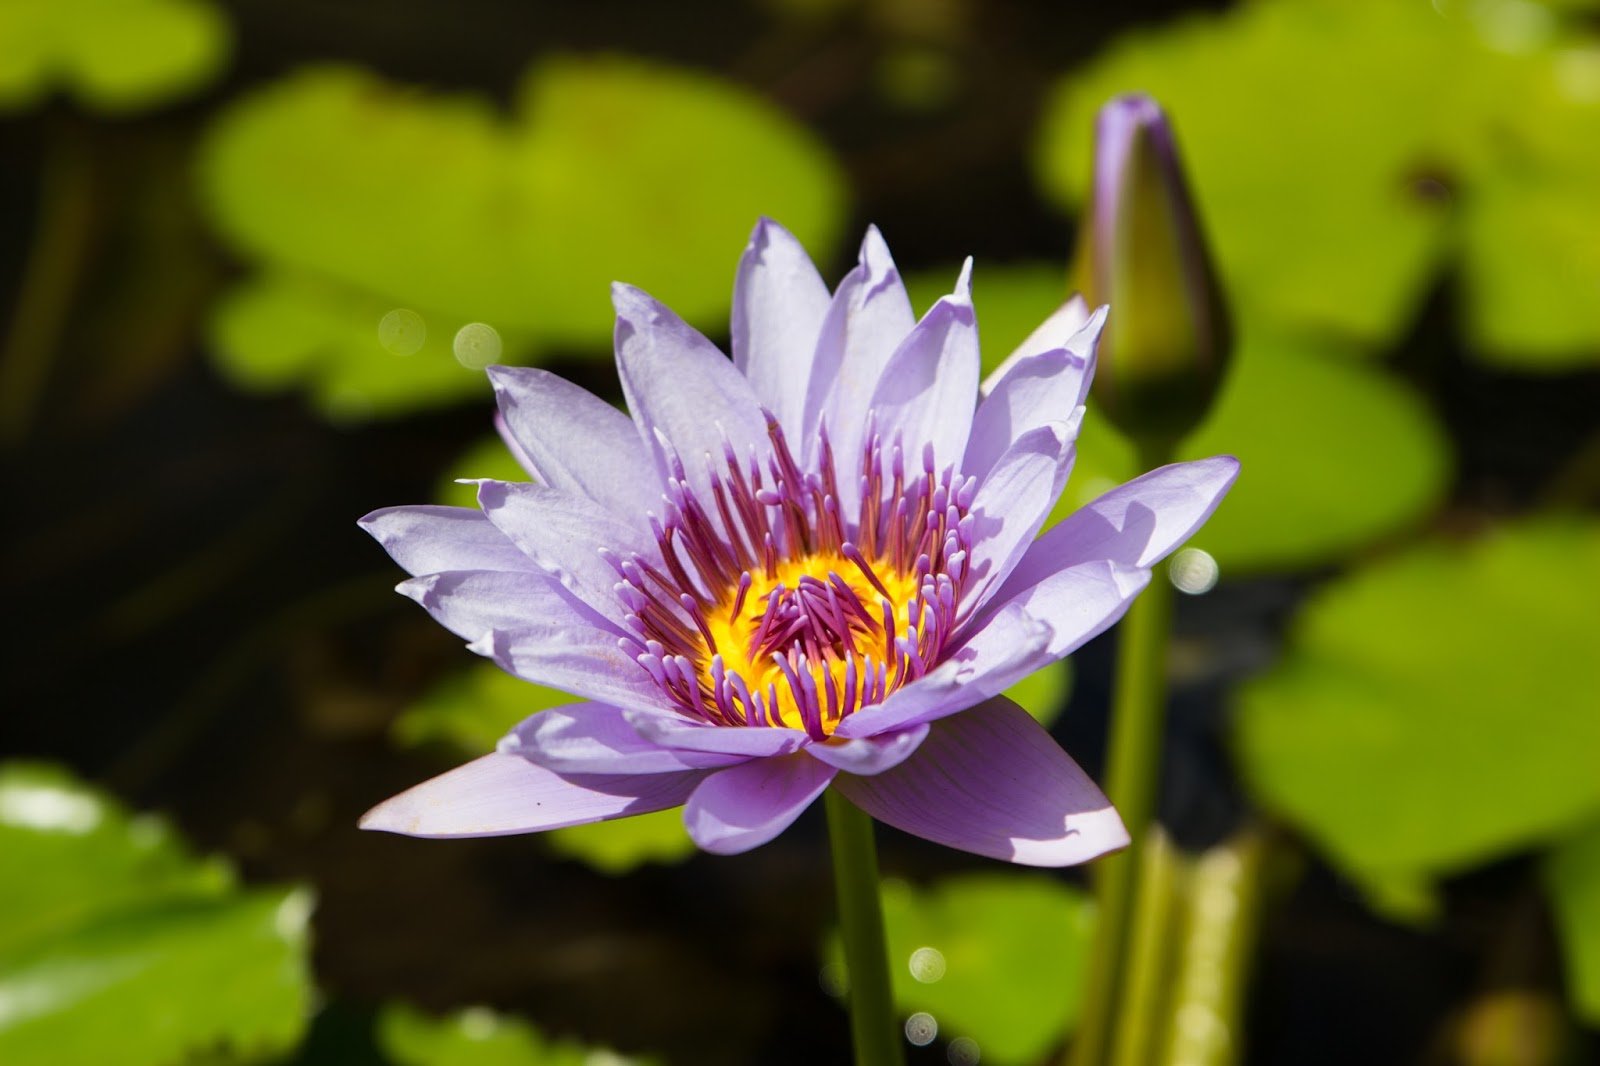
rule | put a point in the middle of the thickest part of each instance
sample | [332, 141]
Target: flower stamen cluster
[773, 609]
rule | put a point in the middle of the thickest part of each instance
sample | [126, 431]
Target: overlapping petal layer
[815, 564]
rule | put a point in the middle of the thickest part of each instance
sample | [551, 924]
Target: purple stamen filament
[770, 607]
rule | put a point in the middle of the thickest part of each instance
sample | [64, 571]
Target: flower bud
[1167, 340]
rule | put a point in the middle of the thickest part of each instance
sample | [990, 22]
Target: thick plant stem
[1132, 775]
[1145, 1003]
[873, 1032]
[1215, 950]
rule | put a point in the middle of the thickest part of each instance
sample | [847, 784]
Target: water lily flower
[813, 565]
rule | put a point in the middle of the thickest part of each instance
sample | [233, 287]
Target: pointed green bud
[1168, 339]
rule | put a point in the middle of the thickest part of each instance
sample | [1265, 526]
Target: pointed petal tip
[631, 302]
[875, 255]
[765, 229]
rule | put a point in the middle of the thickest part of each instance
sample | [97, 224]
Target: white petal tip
[1089, 835]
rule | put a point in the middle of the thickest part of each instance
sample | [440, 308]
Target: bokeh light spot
[922, 1028]
[476, 345]
[927, 964]
[964, 1051]
[402, 332]
[1193, 571]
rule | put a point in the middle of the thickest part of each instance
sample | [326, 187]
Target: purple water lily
[815, 564]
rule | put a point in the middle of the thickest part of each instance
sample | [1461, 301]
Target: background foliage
[255, 256]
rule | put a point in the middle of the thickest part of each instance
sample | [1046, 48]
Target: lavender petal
[574, 441]
[533, 628]
[1136, 524]
[745, 806]
[678, 385]
[1039, 388]
[870, 755]
[1013, 502]
[595, 738]
[868, 318]
[928, 389]
[429, 540]
[501, 794]
[992, 781]
[779, 302]
[562, 533]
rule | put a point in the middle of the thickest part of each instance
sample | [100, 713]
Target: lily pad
[1572, 872]
[995, 959]
[113, 55]
[373, 197]
[117, 945]
[1462, 114]
[478, 1036]
[1437, 709]
[284, 328]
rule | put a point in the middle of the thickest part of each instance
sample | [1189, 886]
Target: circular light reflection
[476, 345]
[922, 1028]
[833, 980]
[963, 1051]
[927, 965]
[1193, 571]
[402, 331]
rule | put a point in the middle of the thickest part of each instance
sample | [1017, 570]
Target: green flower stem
[1145, 1007]
[1214, 952]
[1132, 774]
[873, 1031]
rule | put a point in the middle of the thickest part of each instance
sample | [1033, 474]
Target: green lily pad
[1335, 455]
[1544, 319]
[997, 959]
[1572, 872]
[113, 55]
[1332, 200]
[282, 329]
[478, 1036]
[1438, 708]
[117, 945]
[374, 198]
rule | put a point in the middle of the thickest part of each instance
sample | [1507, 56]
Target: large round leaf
[113, 55]
[117, 946]
[365, 198]
[1330, 196]
[1439, 708]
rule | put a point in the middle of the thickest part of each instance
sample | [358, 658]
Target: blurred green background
[255, 255]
